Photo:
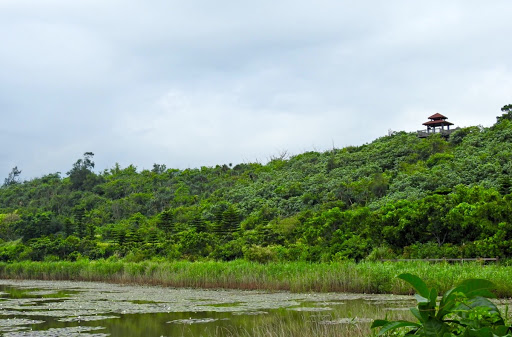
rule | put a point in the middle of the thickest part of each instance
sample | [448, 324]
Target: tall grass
[364, 277]
[279, 326]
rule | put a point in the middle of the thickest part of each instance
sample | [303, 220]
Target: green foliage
[381, 253]
[417, 197]
[81, 175]
[166, 222]
[464, 310]
[12, 251]
[260, 254]
[13, 177]
[507, 113]
[228, 251]
[194, 244]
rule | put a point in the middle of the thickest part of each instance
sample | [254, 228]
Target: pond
[64, 308]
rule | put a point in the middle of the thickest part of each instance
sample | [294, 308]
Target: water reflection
[37, 308]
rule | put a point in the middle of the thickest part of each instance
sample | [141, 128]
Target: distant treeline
[399, 196]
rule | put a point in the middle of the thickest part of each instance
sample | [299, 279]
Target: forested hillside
[399, 196]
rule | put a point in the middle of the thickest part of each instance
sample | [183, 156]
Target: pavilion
[436, 124]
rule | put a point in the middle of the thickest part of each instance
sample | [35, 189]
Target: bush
[432, 250]
[260, 254]
[229, 251]
[12, 251]
[381, 253]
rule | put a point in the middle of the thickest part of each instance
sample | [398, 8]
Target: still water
[63, 308]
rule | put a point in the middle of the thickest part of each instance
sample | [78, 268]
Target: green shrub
[432, 250]
[12, 251]
[381, 253]
[260, 254]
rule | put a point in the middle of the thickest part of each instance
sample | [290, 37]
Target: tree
[230, 222]
[79, 217]
[8, 224]
[197, 222]
[81, 175]
[507, 108]
[159, 168]
[507, 113]
[152, 236]
[12, 178]
[119, 235]
[165, 222]
[33, 226]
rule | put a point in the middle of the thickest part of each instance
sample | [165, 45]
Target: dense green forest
[398, 196]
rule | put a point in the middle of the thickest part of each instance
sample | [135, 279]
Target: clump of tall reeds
[363, 277]
[299, 328]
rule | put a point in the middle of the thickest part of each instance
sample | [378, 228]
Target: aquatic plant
[464, 310]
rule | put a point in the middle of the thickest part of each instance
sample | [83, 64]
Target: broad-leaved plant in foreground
[464, 310]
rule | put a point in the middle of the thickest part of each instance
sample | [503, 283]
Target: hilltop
[398, 196]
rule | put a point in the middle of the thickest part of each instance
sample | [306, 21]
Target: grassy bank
[365, 277]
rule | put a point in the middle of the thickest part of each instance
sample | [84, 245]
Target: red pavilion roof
[437, 116]
[437, 123]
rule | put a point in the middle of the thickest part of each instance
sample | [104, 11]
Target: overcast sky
[199, 83]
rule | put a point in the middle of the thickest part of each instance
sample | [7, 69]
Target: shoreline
[297, 277]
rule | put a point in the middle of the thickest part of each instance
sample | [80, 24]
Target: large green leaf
[433, 297]
[421, 299]
[417, 314]
[417, 284]
[379, 322]
[388, 326]
[502, 330]
[483, 332]
[483, 302]
[448, 301]
[469, 288]
[434, 328]
[477, 287]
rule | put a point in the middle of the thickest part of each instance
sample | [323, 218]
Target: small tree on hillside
[166, 223]
[79, 217]
[230, 222]
[13, 177]
[81, 175]
[507, 113]
[198, 223]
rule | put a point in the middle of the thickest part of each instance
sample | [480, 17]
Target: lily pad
[193, 321]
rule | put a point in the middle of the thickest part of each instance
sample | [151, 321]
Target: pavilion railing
[425, 133]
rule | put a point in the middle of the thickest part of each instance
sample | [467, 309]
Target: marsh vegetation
[362, 277]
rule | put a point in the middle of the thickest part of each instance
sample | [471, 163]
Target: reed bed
[364, 277]
[280, 326]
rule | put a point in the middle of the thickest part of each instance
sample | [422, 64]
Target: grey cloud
[203, 83]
